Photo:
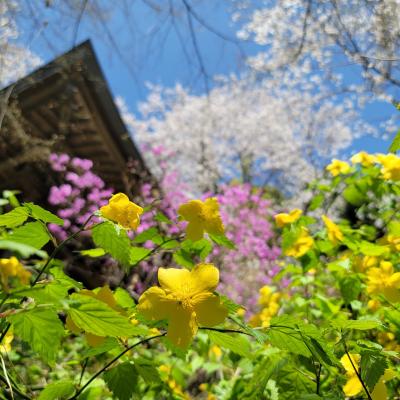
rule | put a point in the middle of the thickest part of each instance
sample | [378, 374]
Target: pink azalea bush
[81, 193]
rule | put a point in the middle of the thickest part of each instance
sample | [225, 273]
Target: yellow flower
[12, 268]
[122, 211]
[390, 166]
[393, 241]
[269, 301]
[202, 216]
[334, 233]
[215, 351]
[353, 385]
[364, 159]
[337, 167]
[384, 280]
[373, 305]
[186, 300]
[300, 247]
[104, 295]
[283, 219]
[5, 346]
[388, 341]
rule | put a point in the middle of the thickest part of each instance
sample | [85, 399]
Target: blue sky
[140, 46]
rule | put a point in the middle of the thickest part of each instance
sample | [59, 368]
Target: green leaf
[113, 241]
[122, 380]
[183, 257]
[58, 391]
[147, 371]
[202, 248]
[371, 249]
[222, 240]
[14, 218]
[32, 234]
[395, 145]
[93, 252]
[234, 342]
[269, 366]
[41, 214]
[24, 250]
[123, 298]
[373, 365]
[360, 324]
[293, 384]
[316, 202]
[138, 254]
[256, 334]
[40, 328]
[108, 344]
[146, 235]
[161, 217]
[353, 195]
[94, 316]
[350, 288]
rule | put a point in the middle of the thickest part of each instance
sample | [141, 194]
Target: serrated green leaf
[147, 371]
[373, 365]
[233, 342]
[94, 316]
[360, 324]
[40, 328]
[41, 214]
[122, 380]
[114, 241]
[14, 218]
[269, 366]
[57, 391]
[32, 234]
[93, 252]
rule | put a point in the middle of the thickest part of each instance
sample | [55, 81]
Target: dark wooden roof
[65, 106]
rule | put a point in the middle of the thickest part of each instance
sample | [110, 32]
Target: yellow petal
[94, 340]
[394, 280]
[182, 327]
[203, 278]
[195, 231]
[209, 310]
[173, 279]
[380, 391]
[347, 365]
[388, 375]
[352, 387]
[155, 304]
[106, 296]
[191, 210]
[70, 325]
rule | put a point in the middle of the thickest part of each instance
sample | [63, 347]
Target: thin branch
[78, 22]
[225, 330]
[76, 395]
[356, 371]
[196, 48]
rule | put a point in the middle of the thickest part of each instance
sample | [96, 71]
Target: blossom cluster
[80, 194]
